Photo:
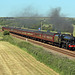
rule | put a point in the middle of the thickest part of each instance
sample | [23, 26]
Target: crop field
[14, 61]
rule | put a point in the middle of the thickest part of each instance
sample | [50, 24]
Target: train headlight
[71, 46]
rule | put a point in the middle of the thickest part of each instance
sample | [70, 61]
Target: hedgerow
[62, 65]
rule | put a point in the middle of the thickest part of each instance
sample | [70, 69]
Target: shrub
[6, 32]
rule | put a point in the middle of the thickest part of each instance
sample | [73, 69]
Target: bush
[6, 32]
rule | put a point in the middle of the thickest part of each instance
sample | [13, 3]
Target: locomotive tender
[62, 40]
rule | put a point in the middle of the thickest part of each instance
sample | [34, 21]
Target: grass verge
[62, 65]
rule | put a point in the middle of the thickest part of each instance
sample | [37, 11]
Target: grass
[14, 61]
[1, 35]
[62, 65]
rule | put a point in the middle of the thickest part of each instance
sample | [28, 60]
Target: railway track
[54, 48]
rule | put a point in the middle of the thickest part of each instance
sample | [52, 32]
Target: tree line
[57, 23]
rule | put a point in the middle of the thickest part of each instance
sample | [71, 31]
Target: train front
[71, 44]
[68, 41]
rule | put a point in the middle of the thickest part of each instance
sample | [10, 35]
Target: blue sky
[10, 7]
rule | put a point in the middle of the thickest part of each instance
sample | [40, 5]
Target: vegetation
[60, 64]
[20, 62]
[74, 31]
[6, 32]
[1, 35]
[35, 22]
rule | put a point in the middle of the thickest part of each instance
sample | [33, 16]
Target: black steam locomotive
[65, 41]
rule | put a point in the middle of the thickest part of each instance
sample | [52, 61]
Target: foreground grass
[62, 65]
[14, 61]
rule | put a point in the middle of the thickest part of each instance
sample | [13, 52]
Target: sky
[9, 8]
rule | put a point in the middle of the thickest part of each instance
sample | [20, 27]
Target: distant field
[14, 61]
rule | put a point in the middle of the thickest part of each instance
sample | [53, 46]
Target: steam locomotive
[62, 40]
